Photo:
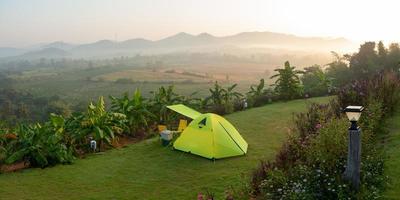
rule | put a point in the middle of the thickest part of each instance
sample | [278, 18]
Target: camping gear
[182, 125]
[209, 135]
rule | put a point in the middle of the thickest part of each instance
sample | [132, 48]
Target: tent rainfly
[209, 135]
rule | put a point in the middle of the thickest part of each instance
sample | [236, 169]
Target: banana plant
[3, 143]
[192, 101]
[41, 145]
[135, 109]
[257, 90]
[222, 100]
[217, 94]
[229, 95]
[164, 97]
[102, 125]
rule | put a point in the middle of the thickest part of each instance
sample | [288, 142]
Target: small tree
[287, 83]
[338, 70]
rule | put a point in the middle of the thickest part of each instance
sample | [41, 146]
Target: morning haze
[26, 23]
[199, 99]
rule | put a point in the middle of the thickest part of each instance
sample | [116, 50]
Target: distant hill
[46, 53]
[59, 45]
[187, 42]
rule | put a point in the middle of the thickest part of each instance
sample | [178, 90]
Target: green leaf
[99, 132]
[16, 156]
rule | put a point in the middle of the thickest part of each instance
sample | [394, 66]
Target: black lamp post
[352, 172]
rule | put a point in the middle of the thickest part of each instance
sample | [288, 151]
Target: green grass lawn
[392, 168]
[149, 171]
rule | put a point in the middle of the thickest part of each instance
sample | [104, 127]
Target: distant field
[149, 171]
[83, 84]
[143, 75]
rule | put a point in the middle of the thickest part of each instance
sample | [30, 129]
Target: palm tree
[287, 84]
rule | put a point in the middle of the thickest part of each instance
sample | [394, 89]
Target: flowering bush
[311, 163]
[382, 88]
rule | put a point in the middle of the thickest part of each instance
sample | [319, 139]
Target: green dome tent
[209, 135]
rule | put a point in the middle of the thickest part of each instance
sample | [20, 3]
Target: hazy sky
[28, 22]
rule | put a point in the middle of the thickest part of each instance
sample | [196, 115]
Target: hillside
[204, 42]
[148, 170]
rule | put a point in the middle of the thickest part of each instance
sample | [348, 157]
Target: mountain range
[180, 42]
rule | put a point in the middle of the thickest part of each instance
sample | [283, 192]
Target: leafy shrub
[41, 145]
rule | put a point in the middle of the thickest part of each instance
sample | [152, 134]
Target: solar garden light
[352, 172]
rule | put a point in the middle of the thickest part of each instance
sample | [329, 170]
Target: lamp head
[353, 112]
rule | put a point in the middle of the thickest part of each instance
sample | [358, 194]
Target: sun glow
[23, 22]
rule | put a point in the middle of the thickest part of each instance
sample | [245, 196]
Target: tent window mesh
[202, 123]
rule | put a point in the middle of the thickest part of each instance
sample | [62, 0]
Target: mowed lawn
[147, 170]
[392, 168]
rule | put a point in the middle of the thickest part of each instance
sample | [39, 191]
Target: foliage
[217, 94]
[18, 107]
[135, 109]
[365, 63]
[382, 87]
[259, 95]
[100, 124]
[311, 163]
[316, 82]
[230, 97]
[223, 99]
[287, 83]
[338, 70]
[40, 145]
[142, 163]
[162, 98]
